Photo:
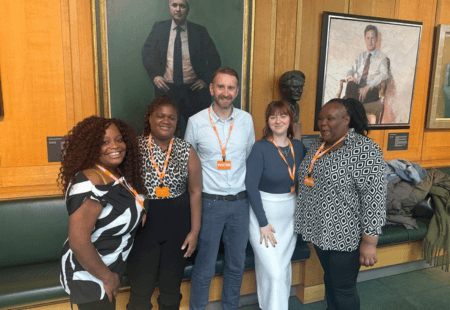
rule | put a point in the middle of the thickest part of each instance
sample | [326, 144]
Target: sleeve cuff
[372, 231]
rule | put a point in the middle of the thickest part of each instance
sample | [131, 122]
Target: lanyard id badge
[160, 191]
[309, 181]
[222, 164]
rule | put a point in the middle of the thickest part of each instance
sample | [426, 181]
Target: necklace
[285, 150]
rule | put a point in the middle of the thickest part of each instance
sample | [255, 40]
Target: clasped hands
[160, 82]
[362, 91]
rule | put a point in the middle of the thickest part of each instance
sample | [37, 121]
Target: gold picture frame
[439, 99]
[343, 52]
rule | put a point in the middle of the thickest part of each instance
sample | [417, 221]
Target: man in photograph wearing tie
[368, 70]
[180, 58]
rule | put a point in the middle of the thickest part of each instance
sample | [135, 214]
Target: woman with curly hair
[101, 178]
[173, 178]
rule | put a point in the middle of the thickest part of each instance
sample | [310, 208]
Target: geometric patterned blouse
[348, 198]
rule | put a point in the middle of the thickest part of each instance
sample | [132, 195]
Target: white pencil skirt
[273, 264]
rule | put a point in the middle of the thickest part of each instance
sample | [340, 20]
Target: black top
[112, 236]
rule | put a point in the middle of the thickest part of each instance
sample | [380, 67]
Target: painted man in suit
[368, 70]
[180, 58]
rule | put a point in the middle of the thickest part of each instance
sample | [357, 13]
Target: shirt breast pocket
[208, 146]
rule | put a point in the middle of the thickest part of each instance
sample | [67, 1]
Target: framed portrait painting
[137, 53]
[373, 60]
[439, 99]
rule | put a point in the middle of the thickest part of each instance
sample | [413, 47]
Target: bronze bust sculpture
[291, 87]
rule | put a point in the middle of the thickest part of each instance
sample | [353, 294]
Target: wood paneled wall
[47, 62]
[47, 72]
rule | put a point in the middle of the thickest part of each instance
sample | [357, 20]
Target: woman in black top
[100, 175]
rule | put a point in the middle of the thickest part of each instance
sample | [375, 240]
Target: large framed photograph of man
[147, 48]
[373, 60]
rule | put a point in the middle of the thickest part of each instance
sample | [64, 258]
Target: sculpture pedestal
[298, 131]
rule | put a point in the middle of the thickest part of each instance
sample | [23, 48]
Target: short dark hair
[161, 100]
[371, 27]
[278, 107]
[225, 70]
[357, 113]
[290, 75]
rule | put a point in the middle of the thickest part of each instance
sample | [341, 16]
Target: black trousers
[341, 270]
[103, 304]
[353, 92]
[156, 257]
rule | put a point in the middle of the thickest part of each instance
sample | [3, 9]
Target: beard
[224, 102]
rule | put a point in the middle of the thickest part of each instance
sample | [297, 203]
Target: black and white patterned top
[177, 169]
[348, 198]
[113, 235]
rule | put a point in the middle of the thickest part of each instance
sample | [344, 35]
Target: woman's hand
[368, 250]
[267, 234]
[112, 285]
[191, 243]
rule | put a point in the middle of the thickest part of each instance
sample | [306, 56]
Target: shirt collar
[348, 138]
[174, 25]
[374, 53]
[216, 118]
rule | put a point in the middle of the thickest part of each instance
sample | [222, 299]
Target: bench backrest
[32, 230]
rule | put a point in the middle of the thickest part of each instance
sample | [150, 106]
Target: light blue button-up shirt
[378, 68]
[201, 135]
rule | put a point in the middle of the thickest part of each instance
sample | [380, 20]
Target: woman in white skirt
[270, 183]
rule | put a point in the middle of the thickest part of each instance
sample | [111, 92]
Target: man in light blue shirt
[223, 137]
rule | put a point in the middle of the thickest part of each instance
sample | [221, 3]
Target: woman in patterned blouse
[341, 203]
[173, 178]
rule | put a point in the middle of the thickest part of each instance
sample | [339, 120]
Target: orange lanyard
[319, 153]
[166, 161]
[128, 187]
[291, 171]
[223, 147]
